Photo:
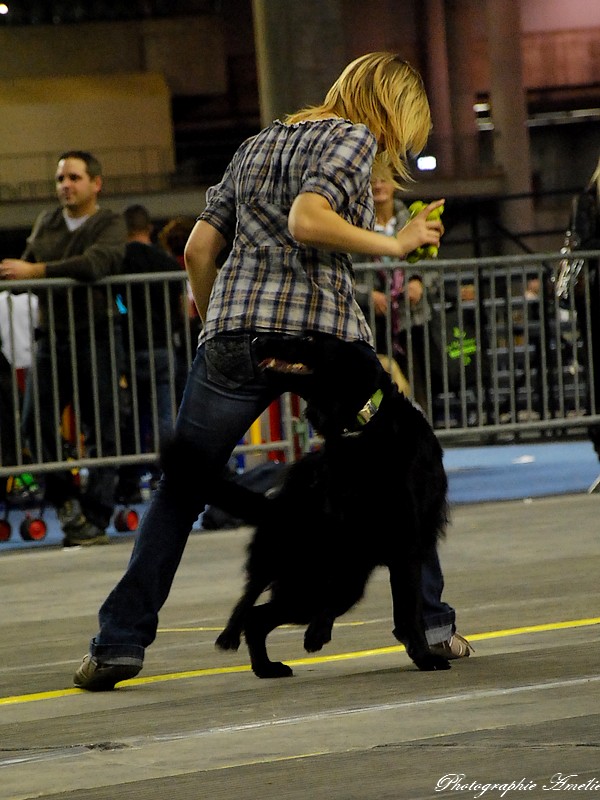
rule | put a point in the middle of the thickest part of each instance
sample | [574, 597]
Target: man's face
[76, 191]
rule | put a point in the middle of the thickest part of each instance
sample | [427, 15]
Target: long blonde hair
[386, 94]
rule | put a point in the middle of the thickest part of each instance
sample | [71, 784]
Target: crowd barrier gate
[502, 358]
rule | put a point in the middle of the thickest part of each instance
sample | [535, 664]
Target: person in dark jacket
[78, 344]
[152, 320]
[586, 226]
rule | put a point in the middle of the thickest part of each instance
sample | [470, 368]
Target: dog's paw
[227, 640]
[316, 636]
[313, 642]
[431, 662]
[273, 669]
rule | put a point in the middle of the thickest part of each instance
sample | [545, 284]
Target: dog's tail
[239, 501]
[186, 475]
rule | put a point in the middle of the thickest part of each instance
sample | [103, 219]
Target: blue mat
[475, 475]
[519, 471]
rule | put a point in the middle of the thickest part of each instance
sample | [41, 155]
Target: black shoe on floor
[96, 677]
[69, 514]
[84, 534]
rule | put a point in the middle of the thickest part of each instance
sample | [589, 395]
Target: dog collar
[370, 408]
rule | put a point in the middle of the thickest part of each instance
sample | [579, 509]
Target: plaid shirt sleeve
[220, 205]
[343, 168]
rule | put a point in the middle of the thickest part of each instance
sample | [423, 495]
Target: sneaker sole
[68, 542]
[104, 680]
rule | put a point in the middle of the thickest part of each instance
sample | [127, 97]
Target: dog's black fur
[373, 494]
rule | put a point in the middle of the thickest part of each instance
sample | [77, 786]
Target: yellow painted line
[380, 651]
[549, 626]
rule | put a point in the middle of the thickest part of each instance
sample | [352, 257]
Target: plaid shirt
[269, 282]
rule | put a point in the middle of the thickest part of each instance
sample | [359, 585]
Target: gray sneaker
[456, 647]
[84, 534]
[97, 677]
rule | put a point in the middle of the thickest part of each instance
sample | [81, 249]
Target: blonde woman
[387, 296]
[372, 293]
[293, 202]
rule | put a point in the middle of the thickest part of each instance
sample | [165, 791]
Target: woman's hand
[380, 302]
[420, 231]
[415, 291]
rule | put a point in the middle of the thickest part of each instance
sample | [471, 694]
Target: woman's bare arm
[201, 253]
[313, 222]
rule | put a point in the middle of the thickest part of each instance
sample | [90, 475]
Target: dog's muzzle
[285, 367]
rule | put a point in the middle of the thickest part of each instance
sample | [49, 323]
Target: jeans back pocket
[229, 360]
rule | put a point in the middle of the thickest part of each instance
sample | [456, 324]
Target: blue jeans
[225, 393]
[440, 618]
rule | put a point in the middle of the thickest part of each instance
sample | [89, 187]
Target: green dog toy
[426, 251]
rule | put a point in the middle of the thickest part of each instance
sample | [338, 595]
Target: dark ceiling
[58, 12]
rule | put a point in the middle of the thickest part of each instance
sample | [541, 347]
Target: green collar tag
[370, 408]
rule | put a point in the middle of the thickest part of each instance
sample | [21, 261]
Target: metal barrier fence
[509, 348]
[508, 352]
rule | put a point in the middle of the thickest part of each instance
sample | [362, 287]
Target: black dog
[374, 494]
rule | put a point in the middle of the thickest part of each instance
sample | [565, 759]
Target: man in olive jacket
[78, 350]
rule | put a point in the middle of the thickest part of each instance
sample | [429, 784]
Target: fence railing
[502, 355]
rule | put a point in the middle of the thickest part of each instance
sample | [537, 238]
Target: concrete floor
[356, 722]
